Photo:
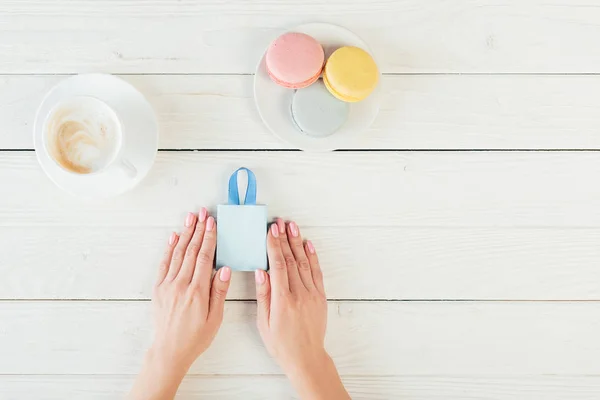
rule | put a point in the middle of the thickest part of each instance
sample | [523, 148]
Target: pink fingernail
[311, 248]
[259, 276]
[274, 230]
[173, 238]
[202, 214]
[210, 224]
[294, 229]
[281, 225]
[225, 274]
[189, 220]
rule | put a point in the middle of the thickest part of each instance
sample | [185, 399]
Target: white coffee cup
[83, 135]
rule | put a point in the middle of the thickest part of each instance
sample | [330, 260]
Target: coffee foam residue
[81, 140]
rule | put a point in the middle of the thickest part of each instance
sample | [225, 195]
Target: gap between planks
[164, 150]
[336, 300]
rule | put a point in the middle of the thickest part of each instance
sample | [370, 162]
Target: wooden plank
[417, 112]
[61, 36]
[538, 189]
[372, 338]
[418, 263]
[110, 387]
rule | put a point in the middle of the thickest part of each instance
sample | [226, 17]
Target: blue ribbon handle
[234, 196]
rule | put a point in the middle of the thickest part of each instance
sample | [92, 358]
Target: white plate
[139, 129]
[274, 102]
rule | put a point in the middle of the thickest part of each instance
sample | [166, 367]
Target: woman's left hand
[188, 307]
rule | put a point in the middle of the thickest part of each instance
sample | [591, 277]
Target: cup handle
[128, 168]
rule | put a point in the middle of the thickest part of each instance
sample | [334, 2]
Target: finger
[279, 276]
[297, 247]
[263, 298]
[182, 244]
[163, 268]
[315, 268]
[290, 261]
[191, 254]
[218, 294]
[206, 256]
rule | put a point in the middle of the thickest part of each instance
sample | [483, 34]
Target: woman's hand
[292, 314]
[188, 308]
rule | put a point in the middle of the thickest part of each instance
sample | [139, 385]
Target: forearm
[319, 381]
[158, 380]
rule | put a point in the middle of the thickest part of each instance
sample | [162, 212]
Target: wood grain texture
[110, 387]
[62, 36]
[417, 263]
[337, 189]
[388, 225]
[372, 338]
[417, 112]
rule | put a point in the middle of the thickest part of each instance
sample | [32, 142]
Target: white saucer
[139, 126]
[274, 102]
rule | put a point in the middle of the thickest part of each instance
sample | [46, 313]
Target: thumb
[263, 297]
[218, 293]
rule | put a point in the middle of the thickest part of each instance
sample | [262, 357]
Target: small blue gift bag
[242, 229]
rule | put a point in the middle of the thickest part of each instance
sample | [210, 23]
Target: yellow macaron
[350, 74]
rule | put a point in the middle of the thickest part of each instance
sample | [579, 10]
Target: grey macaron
[316, 112]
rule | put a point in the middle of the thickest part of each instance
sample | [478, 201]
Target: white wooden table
[460, 236]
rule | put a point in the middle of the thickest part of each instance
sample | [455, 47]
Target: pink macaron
[295, 60]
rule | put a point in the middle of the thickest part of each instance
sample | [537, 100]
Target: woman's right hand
[292, 314]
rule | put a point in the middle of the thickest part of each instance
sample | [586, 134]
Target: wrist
[306, 366]
[317, 378]
[165, 371]
[159, 378]
[162, 361]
